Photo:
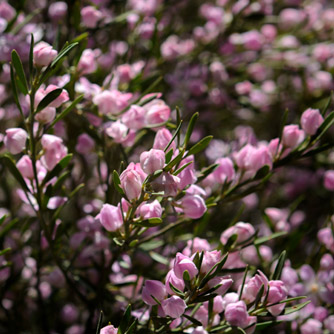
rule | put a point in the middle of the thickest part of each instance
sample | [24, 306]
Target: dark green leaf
[193, 320]
[117, 183]
[265, 324]
[214, 271]
[174, 136]
[5, 229]
[99, 323]
[176, 290]
[328, 122]
[279, 266]
[48, 99]
[262, 172]
[168, 156]
[200, 146]
[178, 171]
[283, 122]
[243, 282]
[31, 55]
[230, 242]
[4, 251]
[150, 222]
[16, 61]
[63, 53]
[206, 172]
[132, 327]
[263, 240]
[10, 164]
[174, 162]
[14, 90]
[125, 321]
[190, 129]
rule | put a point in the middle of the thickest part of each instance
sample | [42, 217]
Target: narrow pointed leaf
[16, 61]
[279, 266]
[48, 99]
[62, 164]
[63, 53]
[200, 146]
[190, 129]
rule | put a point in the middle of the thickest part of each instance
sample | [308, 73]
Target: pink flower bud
[57, 10]
[44, 54]
[131, 183]
[157, 112]
[183, 263]
[15, 140]
[62, 98]
[150, 210]
[173, 306]
[253, 286]
[134, 118]
[110, 217]
[329, 180]
[87, 63]
[209, 260]
[90, 16]
[167, 183]
[69, 313]
[6, 11]
[277, 293]
[85, 144]
[187, 176]
[152, 160]
[243, 88]
[329, 323]
[225, 171]
[311, 120]
[242, 157]
[327, 262]
[292, 136]
[110, 329]
[193, 206]
[311, 326]
[112, 102]
[260, 157]
[236, 314]
[175, 281]
[46, 115]
[225, 282]
[24, 165]
[153, 288]
[161, 140]
[54, 150]
[243, 230]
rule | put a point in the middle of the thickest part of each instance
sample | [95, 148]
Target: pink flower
[150, 210]
[62, 98]
[225, 171]
[110, 329]
[44, 54]
[110, 217]
[153, 288]
[292, 136]
[87, 63]
[243, 230]
[15, 140]
[90, 16]
[184, 263]
[24, 165]
[134, 118]
[54, 150]
[209, 260]
[161, 140]
[173, 306]
[131, 183]
[152, 160]
[311, 120]
[175, 281]
[112, 102]
[236, 314]
[157, 112]
[57, 10]
[193, 206]
[277, 293]
[166, 183]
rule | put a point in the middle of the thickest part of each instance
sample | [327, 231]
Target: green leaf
[117, 183]
[178, 171]
[230, 242]
[48, 99]
[206, 172]
[214, 271]
[262, 172]
[323, 112]
[31, 55]
[14, 90]
[176, 290]
[263, 240]
[174, 136]
[200, 146]
[159, 258]
[150, 222]
[16, 61]
[132, 327]
[243, 282]
[265, 324]
[63, 53]
[190, 129]
[168, 156]
[99, 323]
[174, 162]
[62, 164]
[4, 251]
[328, 122]
[295, 308]
[193, 320]
[125, 321]
[279, 266]
[5, 229]
[10, 164]
[2, 219]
